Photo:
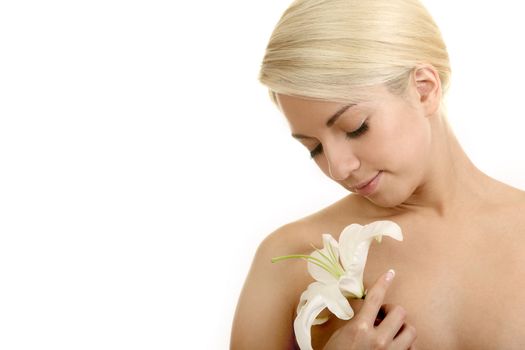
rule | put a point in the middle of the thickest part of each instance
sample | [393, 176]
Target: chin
[385, 202]
[388, 199]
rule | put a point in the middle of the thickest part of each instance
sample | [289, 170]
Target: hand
[367, 331]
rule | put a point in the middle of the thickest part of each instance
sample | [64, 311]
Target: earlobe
[428, 86]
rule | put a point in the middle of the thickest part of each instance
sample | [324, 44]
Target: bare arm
[265, 311]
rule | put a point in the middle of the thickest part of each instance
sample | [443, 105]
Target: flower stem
[316, 261]
[329, 267]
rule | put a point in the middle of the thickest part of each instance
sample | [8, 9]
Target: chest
[459, 292]
[463, 291]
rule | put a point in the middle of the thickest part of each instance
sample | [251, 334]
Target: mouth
[368, 186]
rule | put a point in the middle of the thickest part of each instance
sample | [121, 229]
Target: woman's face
[378, 148]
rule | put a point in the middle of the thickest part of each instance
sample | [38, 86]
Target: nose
[342, 161]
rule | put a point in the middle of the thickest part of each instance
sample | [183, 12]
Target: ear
[428, 87]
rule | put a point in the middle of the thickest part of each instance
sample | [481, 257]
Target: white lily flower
[338, 270]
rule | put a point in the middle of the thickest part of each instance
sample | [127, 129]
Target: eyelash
[350, 135]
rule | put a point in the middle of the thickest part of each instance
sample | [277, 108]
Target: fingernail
[390, 275]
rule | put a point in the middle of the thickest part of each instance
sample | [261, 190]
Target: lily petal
[330, 249]
[335, 301]
[314, 299]
[355, 241]
[304, 320]
[348, 240]
[331, 245]
[352, 286]
[384, 228]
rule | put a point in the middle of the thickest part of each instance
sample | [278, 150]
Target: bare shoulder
[298, 236]
[506, 259]
[349, 209]
[507, 208]
[507, 196]
[502, 223]
[266, 307]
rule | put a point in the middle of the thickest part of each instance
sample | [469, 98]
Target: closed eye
[360, 131]
[351, 135]
[316, 151]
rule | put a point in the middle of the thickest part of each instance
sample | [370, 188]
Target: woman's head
[332, 49]
[386, 59]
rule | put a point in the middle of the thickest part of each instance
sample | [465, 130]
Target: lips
[363, 184]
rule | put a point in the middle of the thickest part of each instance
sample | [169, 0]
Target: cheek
[414, 151]
[406, 145]
[323, 165]
[418, 146]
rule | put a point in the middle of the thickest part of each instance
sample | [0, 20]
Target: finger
[374, 298]
[380, 316]
[405, 338]
[393, 321]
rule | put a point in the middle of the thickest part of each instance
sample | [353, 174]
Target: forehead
[306, 115]
[296, 107]
[290, 105]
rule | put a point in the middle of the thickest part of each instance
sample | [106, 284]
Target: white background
[141, 162]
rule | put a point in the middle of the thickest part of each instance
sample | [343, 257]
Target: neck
[451, 179]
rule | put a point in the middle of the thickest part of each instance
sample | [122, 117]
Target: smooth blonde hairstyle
[331, 49]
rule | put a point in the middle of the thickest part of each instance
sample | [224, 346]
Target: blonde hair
[330, 49]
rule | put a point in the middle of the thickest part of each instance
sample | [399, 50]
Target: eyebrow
[330, 121]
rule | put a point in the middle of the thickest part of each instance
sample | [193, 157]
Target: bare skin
[460, 271]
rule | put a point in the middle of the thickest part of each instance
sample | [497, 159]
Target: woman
[361, 84]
